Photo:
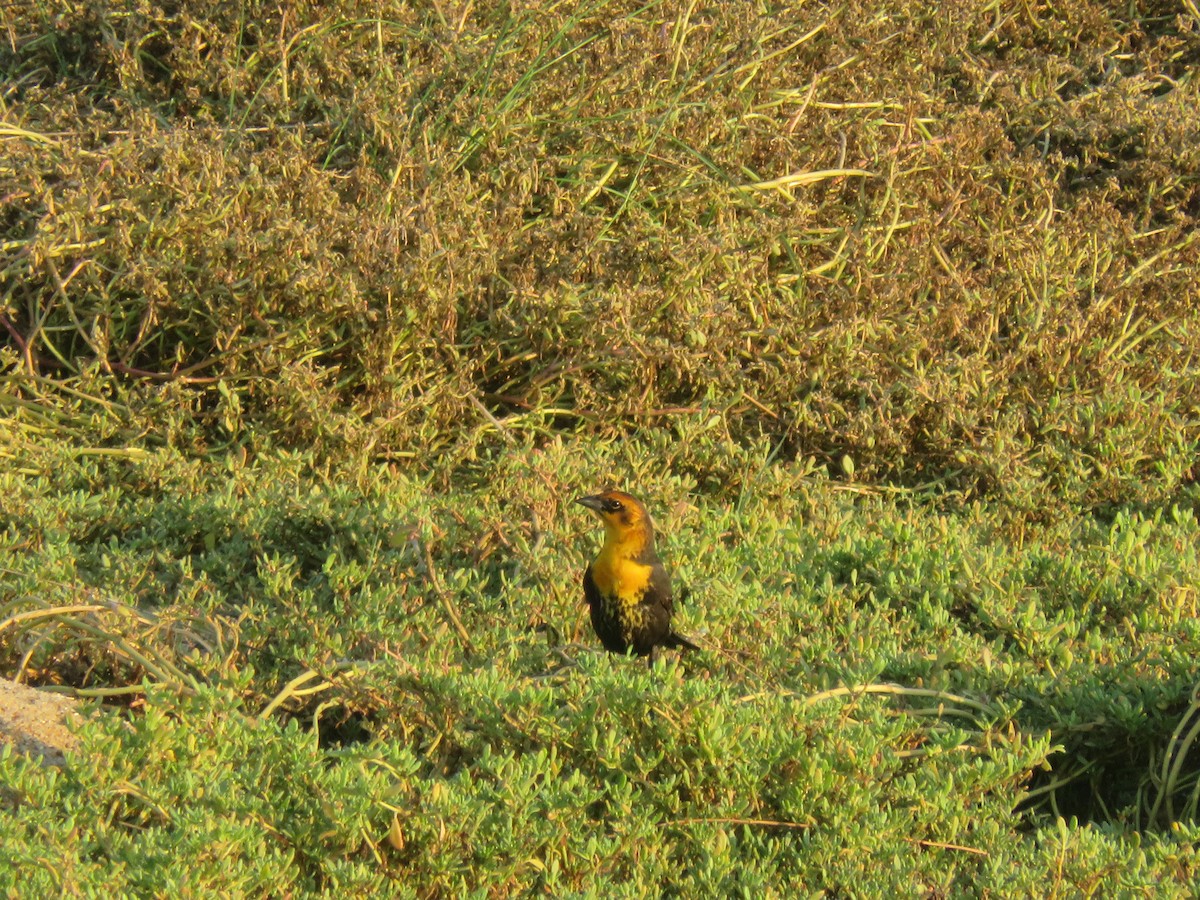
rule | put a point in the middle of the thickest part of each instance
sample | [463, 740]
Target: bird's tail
[677, 640]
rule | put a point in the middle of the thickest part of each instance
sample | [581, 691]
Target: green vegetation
[316, 317]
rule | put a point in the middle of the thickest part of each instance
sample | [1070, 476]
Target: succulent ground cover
[315, 319]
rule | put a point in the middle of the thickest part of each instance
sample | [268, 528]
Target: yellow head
[627, 526]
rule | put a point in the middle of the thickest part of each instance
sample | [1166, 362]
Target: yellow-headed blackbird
[626, 586]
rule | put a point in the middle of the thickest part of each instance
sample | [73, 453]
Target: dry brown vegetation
[394, 230]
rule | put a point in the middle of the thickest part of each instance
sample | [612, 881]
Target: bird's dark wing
[658, 591]
[591, 593]
[660, 596]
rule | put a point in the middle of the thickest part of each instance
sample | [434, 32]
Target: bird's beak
[592, 503]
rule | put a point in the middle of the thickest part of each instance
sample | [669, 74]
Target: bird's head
[625, 518]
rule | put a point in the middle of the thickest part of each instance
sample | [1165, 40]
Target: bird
[627, 590]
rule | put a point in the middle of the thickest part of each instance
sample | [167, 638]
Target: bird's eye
[612, 506]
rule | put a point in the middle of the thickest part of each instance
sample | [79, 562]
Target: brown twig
[721, 820]
[122, 369]
[500, 426]
[22, 344]
[940, 845]
[447, 600]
